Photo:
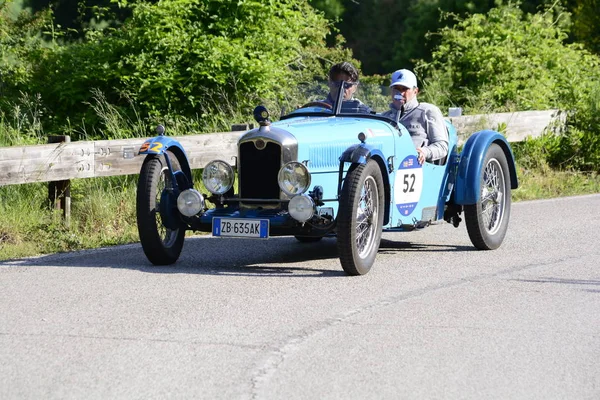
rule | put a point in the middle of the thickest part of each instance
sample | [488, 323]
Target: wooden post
[241, 127]
[59, 192]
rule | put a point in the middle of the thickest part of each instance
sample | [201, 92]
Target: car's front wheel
[161, 244]
[487, 220]
[360, 218]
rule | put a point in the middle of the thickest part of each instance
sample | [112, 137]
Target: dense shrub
[21, 111]
[188, 58]
[510, 61]
[20, 37]
[507, 60]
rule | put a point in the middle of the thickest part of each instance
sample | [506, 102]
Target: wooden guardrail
[90, 159]
[517, 125]
[58, 163]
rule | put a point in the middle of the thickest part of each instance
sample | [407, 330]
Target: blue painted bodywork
[160, 144]
[471, 162]
[329, 144]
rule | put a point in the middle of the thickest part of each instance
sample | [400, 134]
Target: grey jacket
[426, 126]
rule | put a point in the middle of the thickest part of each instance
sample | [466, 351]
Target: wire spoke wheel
[492, 203]
[487, 220]
[366, 217]
[360, 218]
[167, 235]
[155, 199]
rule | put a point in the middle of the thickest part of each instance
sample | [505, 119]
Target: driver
[346, 72]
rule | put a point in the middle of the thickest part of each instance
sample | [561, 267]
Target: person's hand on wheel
[421, 155]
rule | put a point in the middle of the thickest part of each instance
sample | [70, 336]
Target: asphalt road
[277, 319]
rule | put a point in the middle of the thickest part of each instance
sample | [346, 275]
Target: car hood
[315, 130]
[321, 140]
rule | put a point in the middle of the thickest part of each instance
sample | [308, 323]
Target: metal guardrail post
[59, 192]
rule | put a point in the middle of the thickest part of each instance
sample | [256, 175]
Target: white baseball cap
[404, 77]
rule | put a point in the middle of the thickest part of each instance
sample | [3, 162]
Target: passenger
[423, 121]
[346, 72]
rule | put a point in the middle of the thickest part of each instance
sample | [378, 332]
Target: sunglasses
[347, 85]
[399, 89]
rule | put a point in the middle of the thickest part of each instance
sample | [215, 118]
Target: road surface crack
[273, 361]
[137, 339]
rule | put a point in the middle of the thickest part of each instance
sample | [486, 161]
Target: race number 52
[408, 185]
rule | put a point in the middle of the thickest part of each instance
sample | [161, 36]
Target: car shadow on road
[280, 256]
[211, 256]
[393, 246]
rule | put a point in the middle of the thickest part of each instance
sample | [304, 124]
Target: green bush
[186, 58]
[507, 60]
[19, 37]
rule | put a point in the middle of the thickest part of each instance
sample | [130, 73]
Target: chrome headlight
[301, 207]
[190, 202]
[218, 177]
[293, 178]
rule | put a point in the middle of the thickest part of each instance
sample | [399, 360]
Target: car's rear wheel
[487, 220]
[360, 218]
[161, 244]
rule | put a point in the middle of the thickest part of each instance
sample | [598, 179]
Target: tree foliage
[187, 57]
[333, 9]
[73, 17]
[586, 24]
[508, 60]
[19, 37]
[198, 58]
[390, 34]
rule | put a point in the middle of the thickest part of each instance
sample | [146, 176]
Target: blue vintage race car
[325, 170]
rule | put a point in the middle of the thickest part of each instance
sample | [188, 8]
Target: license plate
[232, 227]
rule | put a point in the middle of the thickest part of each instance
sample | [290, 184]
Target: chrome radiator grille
[258, 171]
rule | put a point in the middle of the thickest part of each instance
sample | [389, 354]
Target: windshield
[342, 98]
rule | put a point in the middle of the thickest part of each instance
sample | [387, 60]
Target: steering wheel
[318, 104]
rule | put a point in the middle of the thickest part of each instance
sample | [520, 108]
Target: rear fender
[467, 190]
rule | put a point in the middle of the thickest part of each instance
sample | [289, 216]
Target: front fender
[467, 190]
[360, 153]
[160, 144]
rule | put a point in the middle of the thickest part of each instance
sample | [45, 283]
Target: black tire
[360, 218]
[308, 239]
[161, 245]
[487, 220]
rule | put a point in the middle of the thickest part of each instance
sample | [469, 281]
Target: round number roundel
[408, 185]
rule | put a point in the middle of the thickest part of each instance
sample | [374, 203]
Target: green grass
[103, 211]
[544, 184]
[102, 214]
[22, 124]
